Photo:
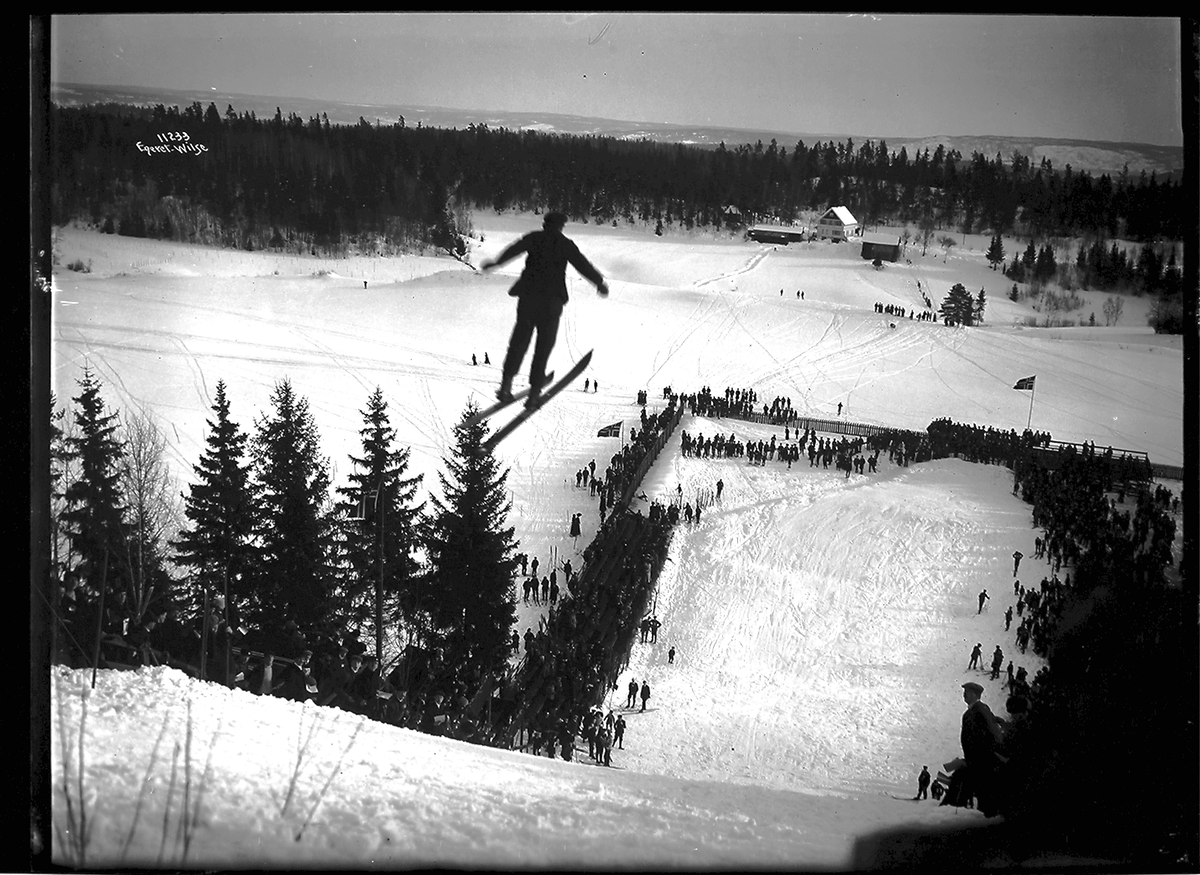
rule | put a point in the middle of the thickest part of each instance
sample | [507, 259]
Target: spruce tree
[378, 525]
[92, 520]
[60, 461]
[995, 252]
[1029, 258]
[1046, 267]
[980, 306]
[470, 554]
[292, 581]
[220, 507]
[958, 307]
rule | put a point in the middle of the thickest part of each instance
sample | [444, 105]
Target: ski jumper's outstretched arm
[585, 267]
[508, 254]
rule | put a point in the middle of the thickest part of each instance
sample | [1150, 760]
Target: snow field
[822, 625]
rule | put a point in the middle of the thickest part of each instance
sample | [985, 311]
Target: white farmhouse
[838, 223]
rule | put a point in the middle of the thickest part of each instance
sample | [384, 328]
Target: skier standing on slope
[541, 292]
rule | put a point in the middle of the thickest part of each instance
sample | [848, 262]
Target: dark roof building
[775, 234]
[881, 246]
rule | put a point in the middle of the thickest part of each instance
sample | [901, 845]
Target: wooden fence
[826, 426]
[1167, 472]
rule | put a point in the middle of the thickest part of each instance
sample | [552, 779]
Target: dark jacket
[545, 273]
[981, 735]
[296, 682]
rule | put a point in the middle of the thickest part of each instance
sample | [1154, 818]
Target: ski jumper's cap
[554, 220]
[973, 687]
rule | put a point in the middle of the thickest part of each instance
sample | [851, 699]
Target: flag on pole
[613, 430]
[1026, 383]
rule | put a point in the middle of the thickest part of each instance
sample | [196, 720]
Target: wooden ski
[552, 390]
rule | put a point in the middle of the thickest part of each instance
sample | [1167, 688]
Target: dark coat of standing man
[645, 694]
[923, 780]
[981, 736]
[541, 292]
[983, 597]
[997, 661]
[1017, 557]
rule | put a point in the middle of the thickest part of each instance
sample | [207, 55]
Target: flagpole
[1032, 392]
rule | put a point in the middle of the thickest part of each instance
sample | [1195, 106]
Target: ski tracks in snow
[802, 608]
[704, 310]
[751, 263]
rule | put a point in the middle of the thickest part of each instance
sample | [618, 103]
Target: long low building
[775, 234]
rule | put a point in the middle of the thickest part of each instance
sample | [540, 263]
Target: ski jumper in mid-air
[541, 292]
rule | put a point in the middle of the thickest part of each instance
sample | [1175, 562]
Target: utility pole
[100, 617]
[380, 508]
[228, 631]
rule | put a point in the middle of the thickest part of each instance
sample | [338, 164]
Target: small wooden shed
[881, 246]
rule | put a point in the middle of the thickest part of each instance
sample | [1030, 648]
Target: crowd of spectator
[844, 453]
[574, 658]
[628, 465]
[570, 662]
[985, 444]
[1104, 616]
[733, 402]
[1081, 518]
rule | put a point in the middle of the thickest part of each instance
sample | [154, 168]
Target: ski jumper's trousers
[534, 313]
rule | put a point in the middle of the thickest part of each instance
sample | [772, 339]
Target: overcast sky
[1094, 78]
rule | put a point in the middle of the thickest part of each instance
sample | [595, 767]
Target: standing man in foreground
[541, 292]
[974, 774]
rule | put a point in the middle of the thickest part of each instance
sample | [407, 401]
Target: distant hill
[1095, 157]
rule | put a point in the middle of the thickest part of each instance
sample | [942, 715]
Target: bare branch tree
[1112, 309]
[925, 233]
[64, 471]
[155, 512]
[947, 243]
